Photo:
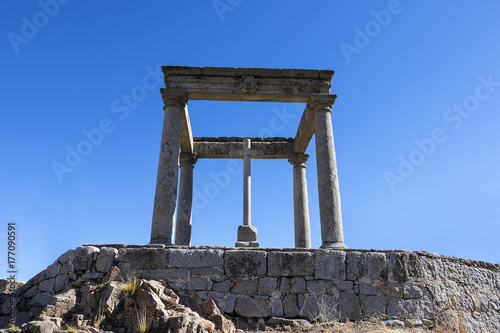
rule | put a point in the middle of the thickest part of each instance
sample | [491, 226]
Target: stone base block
[247, 244]
[247, 233]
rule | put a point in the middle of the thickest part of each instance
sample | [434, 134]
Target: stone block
[426, 309]
[249, 307]
[412, 291]
[245, 263]
[414, 267]
[105, 259]
[30, 292]
[210, 295]
[185, 258]
[61, 283]
[52, 270]
[375, 306]
[67, 268]
[276, 306]
[267, 286]
[290, 306]
[376, 267]
[39, 326]
[230, 301]
[345, 285]
[66, 257]
[166, 274]
[91, 276]
[213, 270]
[112, 297]
[245, 287]
[349, 306]
[355, 265]
[310, 308]
[247, 233]
[369, 289]
[84, 257]
[63, 303]
[47, 285]
[318, 287]
[143, 258]
[35, 280]
[197, 283]
[300, 300]
[401, 308]
[391, 289]
[298, 285]
[290, 263]
[223, 286]
[330, 265]
[396, 272]
[41, 299]
[285, 285]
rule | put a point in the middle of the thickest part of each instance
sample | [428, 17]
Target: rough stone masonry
[291, 283]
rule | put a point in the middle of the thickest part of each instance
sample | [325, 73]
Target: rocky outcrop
[85, 287]
[131, 305]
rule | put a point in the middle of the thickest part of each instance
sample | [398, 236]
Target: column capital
[174, 97]
[187, 159]
[298, 159]
[321, 102]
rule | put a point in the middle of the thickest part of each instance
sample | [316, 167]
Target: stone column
[162, 228]
[247, 234]
[247, 185]
[300, 201]
[185, 203]
[328, 184]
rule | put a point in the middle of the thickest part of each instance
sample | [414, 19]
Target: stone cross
[247, 234]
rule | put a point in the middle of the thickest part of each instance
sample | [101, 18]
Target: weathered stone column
[247, 234]
[162, 228]
[328, 184]
[185, 203]
[247, 185]
[300, 201]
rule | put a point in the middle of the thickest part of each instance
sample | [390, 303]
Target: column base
[334, 245]
[247, 236]
[247, 244]
[161, 241]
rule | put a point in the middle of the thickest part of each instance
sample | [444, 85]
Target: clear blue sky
[416, 120]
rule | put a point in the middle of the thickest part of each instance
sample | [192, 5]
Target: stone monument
[246, 84]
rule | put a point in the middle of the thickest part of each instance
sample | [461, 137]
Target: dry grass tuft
[142, 323]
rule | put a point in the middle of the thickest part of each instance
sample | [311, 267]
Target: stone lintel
[233, 149]
[305, 132]
[186, 133]
[247, 84]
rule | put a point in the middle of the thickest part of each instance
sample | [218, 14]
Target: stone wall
[292, 283]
